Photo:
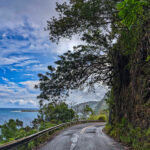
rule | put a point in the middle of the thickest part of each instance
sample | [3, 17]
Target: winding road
[87, 136]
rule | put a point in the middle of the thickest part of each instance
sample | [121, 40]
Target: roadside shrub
[108, 128]
[45, 125]
[134, 136]
[102, 118]
[93, 117]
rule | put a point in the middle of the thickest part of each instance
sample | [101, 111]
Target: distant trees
[87, 110]
[53, 113]
[57, 112]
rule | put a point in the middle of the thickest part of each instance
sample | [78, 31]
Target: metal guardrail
[27, 139]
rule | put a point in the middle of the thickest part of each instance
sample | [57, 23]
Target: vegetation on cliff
[125, 132]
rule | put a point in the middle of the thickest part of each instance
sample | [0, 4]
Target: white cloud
[26, 63]
[30, 75]
[23, 102]
[16, 9]
[34, 19]
[11, 92]
[29, 84]
[38, 68]
[67, 44]
[80, 96]
[12, 60]
[13, 69]
[27, 18]
[4, 79]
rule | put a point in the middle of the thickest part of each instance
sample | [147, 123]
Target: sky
[25, 51]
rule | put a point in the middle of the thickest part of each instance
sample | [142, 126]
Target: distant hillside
[101, 105]
[97, 106]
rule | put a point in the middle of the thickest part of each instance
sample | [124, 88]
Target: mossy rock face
[132, 100]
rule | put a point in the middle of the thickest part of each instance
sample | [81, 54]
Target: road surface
[83, 137]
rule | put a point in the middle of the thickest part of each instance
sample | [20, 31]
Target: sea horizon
[16, 113]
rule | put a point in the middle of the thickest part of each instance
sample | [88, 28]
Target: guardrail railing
[33, 141]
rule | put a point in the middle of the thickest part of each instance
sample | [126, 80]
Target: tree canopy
[87, 64]
[56, 113]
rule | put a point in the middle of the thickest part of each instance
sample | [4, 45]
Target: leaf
[120, 5]
[148, 58]
[129, 10]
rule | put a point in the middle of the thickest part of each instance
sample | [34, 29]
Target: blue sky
[25, 51]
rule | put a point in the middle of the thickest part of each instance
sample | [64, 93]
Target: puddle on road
[68, 134]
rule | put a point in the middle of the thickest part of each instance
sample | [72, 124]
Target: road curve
[87, 136]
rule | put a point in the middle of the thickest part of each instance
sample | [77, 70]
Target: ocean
[15, 113]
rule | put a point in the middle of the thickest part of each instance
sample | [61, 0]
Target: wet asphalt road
[83, 137]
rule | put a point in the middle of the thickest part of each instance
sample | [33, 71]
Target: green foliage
[130, 10]
[148, 132]
[87, 110]
[133, 136]
[13, 129]
[132, 14]
[87, 64]
[30, 132]
[100, 117]
[93, 117]
[147, 58]
[45, 125]
[56, 113]
[108, 128]
[80, 16]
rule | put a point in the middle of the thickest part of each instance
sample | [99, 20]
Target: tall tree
[87, 64]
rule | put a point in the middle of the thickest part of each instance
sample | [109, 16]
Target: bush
[45, 125]
[92, 117]
[100, 117]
